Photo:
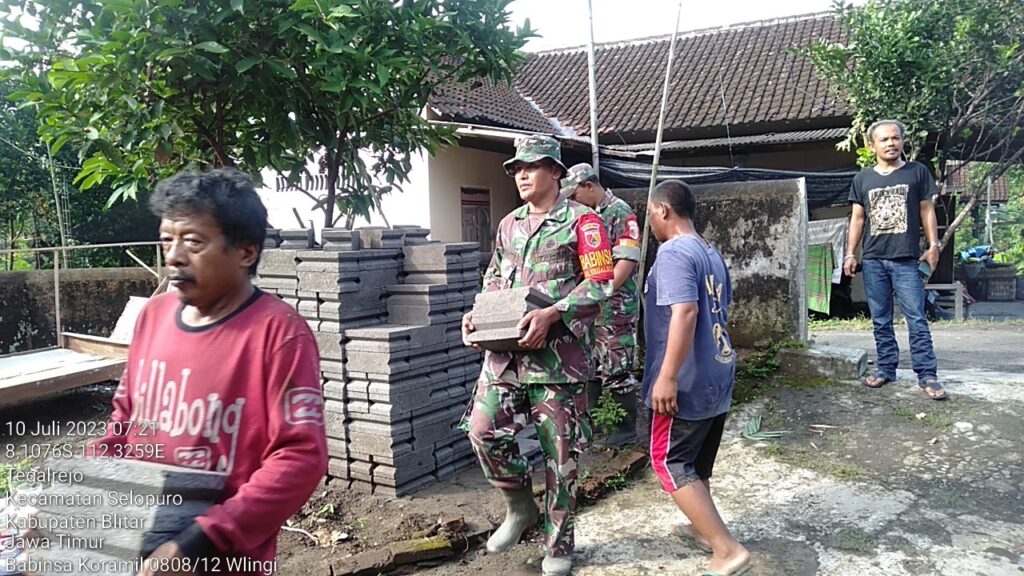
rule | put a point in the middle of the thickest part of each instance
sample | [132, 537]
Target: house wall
[760, 229]
[454, 168]
[91, 301]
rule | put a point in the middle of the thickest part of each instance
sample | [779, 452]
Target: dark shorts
[684, 451]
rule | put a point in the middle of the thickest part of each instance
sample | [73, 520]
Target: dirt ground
[868, 482]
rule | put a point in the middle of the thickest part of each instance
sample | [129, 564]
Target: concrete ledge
[824, 361]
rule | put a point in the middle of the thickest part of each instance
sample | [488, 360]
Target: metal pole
[988, 211]
[657, 142]
[56, 297]
[594, 152]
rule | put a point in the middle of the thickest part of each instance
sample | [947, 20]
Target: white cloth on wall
[832, 232]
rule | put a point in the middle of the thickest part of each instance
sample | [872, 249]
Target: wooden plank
[47, 383]
[95, 345]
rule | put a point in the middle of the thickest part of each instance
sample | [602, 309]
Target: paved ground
[901, 485]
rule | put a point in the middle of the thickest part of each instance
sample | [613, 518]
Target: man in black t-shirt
[891, 202]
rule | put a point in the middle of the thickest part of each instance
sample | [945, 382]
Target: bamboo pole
[592, 67]
[657, 142]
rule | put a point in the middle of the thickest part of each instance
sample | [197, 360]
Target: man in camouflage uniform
[561, 248]
[616, 325]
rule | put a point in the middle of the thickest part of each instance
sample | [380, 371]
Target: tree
[145, 88]
[951, 70]
[25, 183]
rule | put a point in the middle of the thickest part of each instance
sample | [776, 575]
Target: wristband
[848, 257]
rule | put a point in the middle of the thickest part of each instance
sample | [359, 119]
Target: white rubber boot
[557, 566]
[521, 514]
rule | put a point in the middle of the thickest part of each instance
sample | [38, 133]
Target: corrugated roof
[772, 138]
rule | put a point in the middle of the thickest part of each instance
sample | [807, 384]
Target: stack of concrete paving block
[496, 317]
[385, 306]
[128, 508]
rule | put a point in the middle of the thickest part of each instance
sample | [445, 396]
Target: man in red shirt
[221, 377]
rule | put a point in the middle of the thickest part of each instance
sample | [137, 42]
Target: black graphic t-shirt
[892, 205]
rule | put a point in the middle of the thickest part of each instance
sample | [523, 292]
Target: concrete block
[403, 393]
[496, 315]
[272, 239]
[338, 468]
[396, 432]
[361, 471]
[380, 237]
[340, 240]
[275, 283]
[413, 235]
[329, 345]
[337, 448]
[335, 425]
[405, 489]
[142, 477]
[308, 308]
[297, 239]
[416, 315]
[391, 338]
[833, 362]
[378, 445]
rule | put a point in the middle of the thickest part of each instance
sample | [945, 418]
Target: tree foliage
[144, 88]
[951, 70]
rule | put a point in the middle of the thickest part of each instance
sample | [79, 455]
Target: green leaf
[211, 46]
[282, 70]
[238, 6]
[246, 63]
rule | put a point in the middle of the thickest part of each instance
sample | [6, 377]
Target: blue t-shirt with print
[689, 270]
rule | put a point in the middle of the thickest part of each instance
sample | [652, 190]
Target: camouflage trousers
[615, 348]
[559, 411]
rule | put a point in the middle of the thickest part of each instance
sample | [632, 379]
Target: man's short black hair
[228, 196]
[678, 195]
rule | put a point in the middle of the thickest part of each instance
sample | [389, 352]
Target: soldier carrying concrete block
[561, 248]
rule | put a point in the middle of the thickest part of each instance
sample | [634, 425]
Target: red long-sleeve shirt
[240, 396]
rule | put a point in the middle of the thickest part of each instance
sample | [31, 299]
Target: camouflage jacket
[567, 256]
[623, 308]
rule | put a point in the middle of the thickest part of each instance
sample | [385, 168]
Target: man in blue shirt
[689, 370]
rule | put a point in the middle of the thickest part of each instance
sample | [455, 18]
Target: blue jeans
[882, 278]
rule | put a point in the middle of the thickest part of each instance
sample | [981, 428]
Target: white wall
[454, 168]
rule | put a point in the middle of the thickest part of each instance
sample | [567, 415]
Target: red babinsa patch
[594, 249]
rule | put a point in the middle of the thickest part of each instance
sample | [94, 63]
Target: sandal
[876, 381]
[680, 531]
[933, 389]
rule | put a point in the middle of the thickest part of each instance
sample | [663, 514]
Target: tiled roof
[765, 87]
[751, 67]
[957, 184]
[489, 104]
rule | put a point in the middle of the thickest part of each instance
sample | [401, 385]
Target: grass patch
[948, 500]
[855, 540]
[838, 324]
[616, 482]
[930, 419]
[755, 375]
[804, 457]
